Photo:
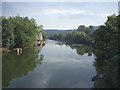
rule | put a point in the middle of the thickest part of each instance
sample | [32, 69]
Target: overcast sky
[62, 15]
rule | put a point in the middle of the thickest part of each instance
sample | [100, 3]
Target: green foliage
[7, 34]
[74, 37]
[106, 51]
[81, 35]
[19, 31]
[106, 38]
[82, 28]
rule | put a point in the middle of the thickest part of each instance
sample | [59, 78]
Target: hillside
[50, 32]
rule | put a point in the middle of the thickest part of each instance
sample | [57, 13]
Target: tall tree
[19, 31]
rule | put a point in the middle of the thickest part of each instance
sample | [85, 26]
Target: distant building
[39, 36]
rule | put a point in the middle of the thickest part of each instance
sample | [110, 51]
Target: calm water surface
[55, 65]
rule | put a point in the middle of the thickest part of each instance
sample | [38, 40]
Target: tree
[106, 52]
[19, 31]
[7, 34]
[82, 28]
[106, 38]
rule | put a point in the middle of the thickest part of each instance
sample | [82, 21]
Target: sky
[62, 15]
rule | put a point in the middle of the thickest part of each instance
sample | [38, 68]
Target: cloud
[76, 12]
[87, 13]
[54, 11]
[63, 11]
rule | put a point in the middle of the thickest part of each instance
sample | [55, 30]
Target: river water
[55, 65]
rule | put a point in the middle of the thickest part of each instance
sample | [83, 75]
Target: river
[55, 65]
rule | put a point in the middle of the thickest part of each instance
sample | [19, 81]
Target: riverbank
[92, 44]
[8, 50]
[4, 50]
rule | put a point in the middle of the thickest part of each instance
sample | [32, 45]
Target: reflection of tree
[60, 43]
[14, 66]
[107, 73]
[39, 59]
[82, 49]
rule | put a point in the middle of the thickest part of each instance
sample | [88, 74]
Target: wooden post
[18, 50]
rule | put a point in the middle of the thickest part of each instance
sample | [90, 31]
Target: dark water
[55, 65]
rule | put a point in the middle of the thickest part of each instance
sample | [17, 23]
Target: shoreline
[6, 50]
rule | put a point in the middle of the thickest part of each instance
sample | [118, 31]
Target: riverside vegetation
[104, 41]
[19, 32]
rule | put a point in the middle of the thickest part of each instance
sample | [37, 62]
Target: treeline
[82, 35]
[106, 50]
[19, 31]
[107, 54]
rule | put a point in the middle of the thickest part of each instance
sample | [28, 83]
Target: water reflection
[14, 66]
[39, 59]
[107, 73]
[63, 67]
[80, 49]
